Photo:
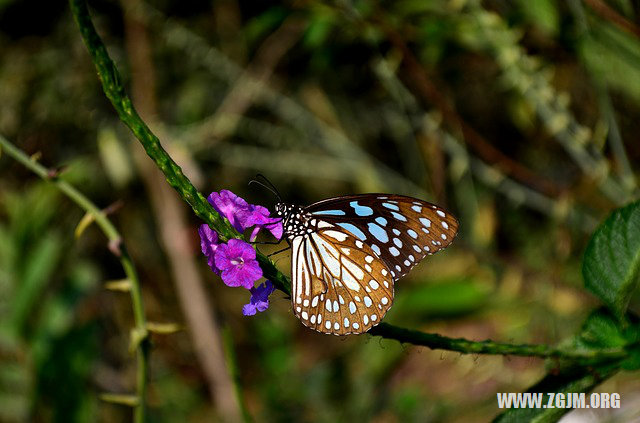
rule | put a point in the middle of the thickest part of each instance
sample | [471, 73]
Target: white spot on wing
[350, 282]
[340, 236]
[353, 268]
[329, 254]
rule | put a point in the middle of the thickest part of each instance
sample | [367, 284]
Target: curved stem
[435, 341]
[115, 241]
[113, 89]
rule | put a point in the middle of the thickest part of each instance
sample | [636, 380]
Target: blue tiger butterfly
[348, 251]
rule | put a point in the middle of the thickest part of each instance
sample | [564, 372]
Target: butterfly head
[281, 208]
[292, 219]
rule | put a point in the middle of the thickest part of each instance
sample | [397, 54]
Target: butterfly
[347, 253]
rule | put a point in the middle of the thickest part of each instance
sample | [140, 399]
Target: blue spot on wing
[381, 221]
[378, 232]
[361, 210]
[329, 212]
[354, 230]
[399, 216]
[391, 206]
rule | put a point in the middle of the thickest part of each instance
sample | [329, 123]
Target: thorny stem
[115, 242]
[435, 341]
[112, 86]
[110, 79]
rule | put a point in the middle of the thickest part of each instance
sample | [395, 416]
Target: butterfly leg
[266, 242]
[279, 251]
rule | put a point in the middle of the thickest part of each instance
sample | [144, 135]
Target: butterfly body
[348, 251]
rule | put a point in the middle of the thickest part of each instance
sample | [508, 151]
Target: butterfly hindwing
[400, 230]
[339, 284]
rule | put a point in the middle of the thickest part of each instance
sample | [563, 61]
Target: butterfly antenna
[267, 184]
[254, 181]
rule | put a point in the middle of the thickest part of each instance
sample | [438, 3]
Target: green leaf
[612, 259]
[599, 331]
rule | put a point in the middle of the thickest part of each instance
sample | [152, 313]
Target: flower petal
[249, 309]
[259, 298]
[209, 243]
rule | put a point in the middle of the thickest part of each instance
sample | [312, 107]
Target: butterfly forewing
[400, 230]
[339, 285]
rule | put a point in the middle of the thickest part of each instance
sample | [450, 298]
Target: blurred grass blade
[121, 285]
[122, 399]
[84, 223]
[42, 261]
[612, 259]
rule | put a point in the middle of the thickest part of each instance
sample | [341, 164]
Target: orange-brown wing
[401, 230]
[339, 284]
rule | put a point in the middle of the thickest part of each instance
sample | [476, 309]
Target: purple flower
[259, 299]
[230, 206]
[243, 215]
[237, 261]
[209, 243]
[258, 216]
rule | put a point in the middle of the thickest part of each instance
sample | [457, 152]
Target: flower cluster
[235, 261]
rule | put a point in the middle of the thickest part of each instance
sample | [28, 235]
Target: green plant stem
[435, 341]
[112, 86]
[142, 348]
[110, 79]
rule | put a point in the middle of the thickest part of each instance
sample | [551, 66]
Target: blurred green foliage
[48, 340]
[341, 113]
